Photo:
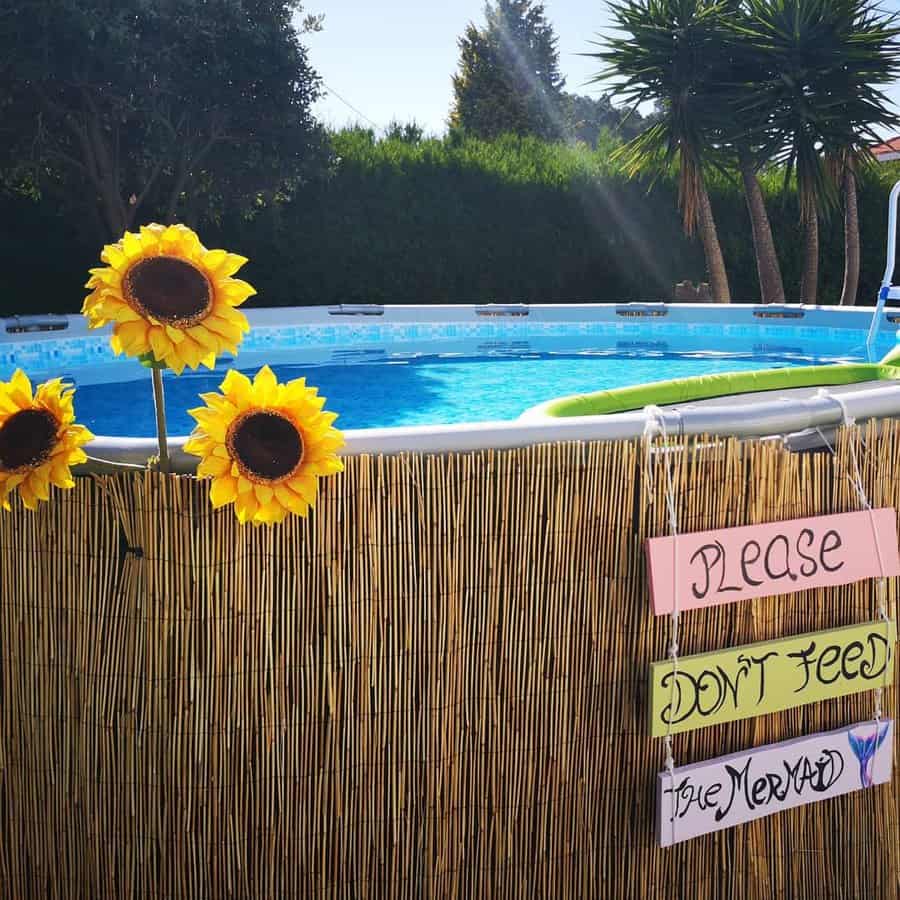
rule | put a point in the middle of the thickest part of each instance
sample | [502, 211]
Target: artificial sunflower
[171, 301]
[39, 440]
[265, 445]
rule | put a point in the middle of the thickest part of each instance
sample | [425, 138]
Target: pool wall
[436, 686]
[48, 343]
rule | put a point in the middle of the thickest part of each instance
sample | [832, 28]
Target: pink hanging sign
[711, 796]
[711, 568]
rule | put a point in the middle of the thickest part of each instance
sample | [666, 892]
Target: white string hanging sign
[656, 425]
[697, 570]
[856, 481]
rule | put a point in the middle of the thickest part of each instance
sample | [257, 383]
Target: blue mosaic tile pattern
[55, 354]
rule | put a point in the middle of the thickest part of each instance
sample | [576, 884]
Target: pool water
[427, 386]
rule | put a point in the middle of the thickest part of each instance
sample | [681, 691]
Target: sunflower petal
[28, 497]
[159, 343]
[175, 363]
[133, 337]
[213, 467]
[271, 513]
[237, 388]
[175, 335]
[264, 493]
[236, 292]
[192, 352]
[291, 501]
[131, 246]
[20, 389]
[223, 491]
[212, 425]
[246, 507]
[39, 483]
[306, 486]
[265, 386]
[232, 263]
[212, 259]
[197, 445]
[114, 255]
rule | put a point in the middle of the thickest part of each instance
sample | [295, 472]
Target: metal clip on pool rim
[39, 323]
[503, 309]
[356, 309]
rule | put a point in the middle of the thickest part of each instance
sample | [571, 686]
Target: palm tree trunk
[851, 238]
[809, 284]
[715, 262]
[771, 284]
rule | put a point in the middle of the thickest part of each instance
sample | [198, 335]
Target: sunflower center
[27, 439]
[169, 289]
[267, 445]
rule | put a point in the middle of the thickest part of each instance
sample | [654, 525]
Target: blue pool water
[428, 384]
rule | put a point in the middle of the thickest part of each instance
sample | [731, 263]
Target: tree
[823, 58]
[586, 118]
[668, 53]
[155, 108]
[743, 131]
[407, 132]
[768, 269]
[509, 79]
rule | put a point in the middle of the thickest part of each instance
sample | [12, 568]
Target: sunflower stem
[159, 402]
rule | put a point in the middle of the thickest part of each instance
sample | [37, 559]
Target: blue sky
[394, 59]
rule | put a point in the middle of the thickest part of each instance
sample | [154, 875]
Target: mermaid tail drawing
[865, 746]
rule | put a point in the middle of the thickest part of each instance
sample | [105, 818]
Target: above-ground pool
[442, 366]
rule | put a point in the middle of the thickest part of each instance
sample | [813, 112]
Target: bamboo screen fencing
[435, 687]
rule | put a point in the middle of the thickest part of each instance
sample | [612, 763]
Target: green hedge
[461, 220]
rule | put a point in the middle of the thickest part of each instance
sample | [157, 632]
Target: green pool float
[705, 387]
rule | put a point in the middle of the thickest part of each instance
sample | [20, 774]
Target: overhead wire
[349, 105]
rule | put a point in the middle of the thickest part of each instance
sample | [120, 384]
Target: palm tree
[667, 54]
[745, 132]
[768, 268]
[846, 166]
[822, 58]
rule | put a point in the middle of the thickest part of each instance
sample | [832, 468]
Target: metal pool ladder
[888, 288]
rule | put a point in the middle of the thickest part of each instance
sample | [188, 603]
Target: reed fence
[434, 687]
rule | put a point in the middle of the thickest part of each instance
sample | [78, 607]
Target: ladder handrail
[887, 281]
[892, 237]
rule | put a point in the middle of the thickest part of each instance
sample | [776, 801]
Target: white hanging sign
[711, 796]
